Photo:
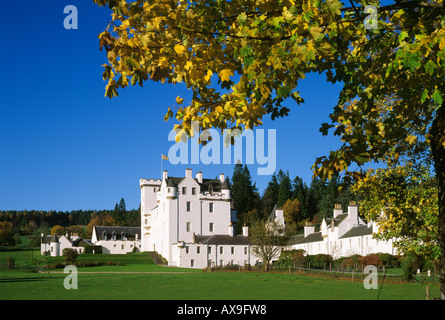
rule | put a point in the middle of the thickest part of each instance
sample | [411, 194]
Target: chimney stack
[245, 231]
[231, 230]
[199, 176]
[337, 210]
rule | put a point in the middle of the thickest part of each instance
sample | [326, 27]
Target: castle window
[245, 250]
[210, 227]
[189, 206]
[211, 207]
[104, 235]
[123, 235]
[184, 190]
[113, 235]
[209, 250]
[198, 249]
[221, 250]
[188, 226]
[232, 250]
[187, 250]
[192, 263]
[193, 191]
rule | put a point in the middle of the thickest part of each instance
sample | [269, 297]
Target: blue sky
[64, 146]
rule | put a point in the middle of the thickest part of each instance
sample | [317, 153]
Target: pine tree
[284, 189]
[270, 196]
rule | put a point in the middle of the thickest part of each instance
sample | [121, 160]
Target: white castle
[190, 222]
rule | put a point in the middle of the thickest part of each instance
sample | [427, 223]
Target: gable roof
[313, 237]
[362, 230]
[216, 184]
[130, 232]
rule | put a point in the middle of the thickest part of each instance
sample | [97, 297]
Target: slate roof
[222, 239]
[313, 237]
[130, 232]
[362, 230]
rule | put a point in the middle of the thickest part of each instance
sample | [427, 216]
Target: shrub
[372, 259]
[320, 261]
[70, 255]
[410, 263]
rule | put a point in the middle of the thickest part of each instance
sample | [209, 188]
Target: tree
[6, 234]
[243, 193]
[392, 70]
[270, 196]
[99, 220]
[403, 201]
[58, 230]
[267, 239]
[292, 216]
[284, 188]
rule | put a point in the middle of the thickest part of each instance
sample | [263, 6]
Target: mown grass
[142, 279]
[199, 286]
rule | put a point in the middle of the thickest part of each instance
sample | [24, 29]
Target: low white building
[343, 235]
[54, 245]
[112, 239]
[190, 222]
[117, 239]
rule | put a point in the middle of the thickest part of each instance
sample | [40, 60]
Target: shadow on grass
[7, 280]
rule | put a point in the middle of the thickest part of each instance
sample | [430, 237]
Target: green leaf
[430, 66]
[424, 95]
[437, 97]
[402, 36]
[242, 18]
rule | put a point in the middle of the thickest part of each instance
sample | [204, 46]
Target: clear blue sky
[64, 146]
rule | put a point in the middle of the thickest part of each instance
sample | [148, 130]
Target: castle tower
[149, 199]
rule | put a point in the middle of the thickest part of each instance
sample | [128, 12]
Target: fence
[358, 275]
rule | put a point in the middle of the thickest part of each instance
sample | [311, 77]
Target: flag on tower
[164, 157]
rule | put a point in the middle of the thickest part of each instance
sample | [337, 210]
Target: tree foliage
[242, 59]
[403, 201]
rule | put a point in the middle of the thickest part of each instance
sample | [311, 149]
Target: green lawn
[150, 281]
[198, 285]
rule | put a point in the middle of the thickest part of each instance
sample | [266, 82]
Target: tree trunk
[438, 149]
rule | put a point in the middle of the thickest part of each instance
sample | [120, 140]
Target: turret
[54, 247]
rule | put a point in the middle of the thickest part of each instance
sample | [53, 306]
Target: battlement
[149, 183]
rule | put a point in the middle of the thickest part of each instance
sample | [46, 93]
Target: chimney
[245, 231]
[308, 229]
[199, 176]
[352, 214]
[337, 210]
[231, 230]
[164, 174]
[221, 177]
[188, 173]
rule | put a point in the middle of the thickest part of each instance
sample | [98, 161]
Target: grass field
[139, 278]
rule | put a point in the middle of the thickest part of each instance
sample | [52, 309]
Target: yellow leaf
[225, 74]
[179, 49]
[179, 100]
[209, 74]
[411, 139]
